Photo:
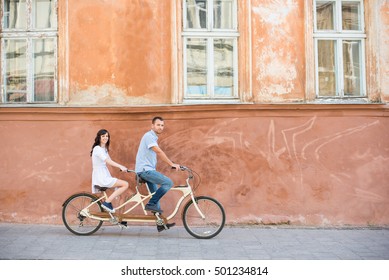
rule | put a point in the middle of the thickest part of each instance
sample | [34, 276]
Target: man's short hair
[157, 118]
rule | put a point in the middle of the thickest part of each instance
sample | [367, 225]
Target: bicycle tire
[72, 218]
[213, 222]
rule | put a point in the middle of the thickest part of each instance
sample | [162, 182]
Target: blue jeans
[153, 179]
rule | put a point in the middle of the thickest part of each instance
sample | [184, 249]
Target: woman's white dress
[100, 174]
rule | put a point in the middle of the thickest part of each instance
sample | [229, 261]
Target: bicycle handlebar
[182, 168]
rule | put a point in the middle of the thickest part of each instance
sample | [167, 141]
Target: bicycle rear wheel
[213, 221]
[72, 218]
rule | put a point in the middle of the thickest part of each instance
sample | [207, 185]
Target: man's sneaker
[108, 207]
[161, 228]
[153, 208]
[124, 223]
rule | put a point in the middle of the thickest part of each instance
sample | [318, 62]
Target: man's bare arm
[161, 154]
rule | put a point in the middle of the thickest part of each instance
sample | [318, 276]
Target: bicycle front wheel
[208, 226]
[72, 218]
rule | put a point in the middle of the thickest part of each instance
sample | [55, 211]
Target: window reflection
[16, 72]
[196, 53]
[44, 63]
[15, 16]
[325, 15]
[47, 14]
[196, 14]
[210, 34]
[223, 14]
[29, 63]
[224, 67]
[327, 67]
[350, 16]
[352, 68]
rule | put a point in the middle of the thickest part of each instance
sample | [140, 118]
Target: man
[146, 162]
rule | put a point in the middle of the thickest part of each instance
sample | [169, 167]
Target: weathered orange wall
[278, 50]
[298, 164]
[123, 53]
[119, 52]
[303, 165]
[384, 52]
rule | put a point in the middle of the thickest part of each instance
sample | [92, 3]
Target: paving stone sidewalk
[55, 242]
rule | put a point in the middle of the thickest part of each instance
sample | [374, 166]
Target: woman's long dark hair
[97, 140]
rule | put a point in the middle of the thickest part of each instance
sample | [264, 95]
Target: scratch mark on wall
[291, 138]
[300, 130]
[370, 196]
[330, 138]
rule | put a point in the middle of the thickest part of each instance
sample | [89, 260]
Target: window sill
[360, 100]
[211, 101]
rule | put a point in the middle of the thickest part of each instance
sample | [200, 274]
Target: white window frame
[339, 35]
[210, 34]
[29, 34]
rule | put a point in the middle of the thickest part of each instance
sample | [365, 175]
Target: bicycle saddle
[101, 189]
[139, 180]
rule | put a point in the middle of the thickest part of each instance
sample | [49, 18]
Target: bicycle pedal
[122, 225]
[113, 220]
[165, 226]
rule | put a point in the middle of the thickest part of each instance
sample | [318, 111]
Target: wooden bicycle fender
[128, 218]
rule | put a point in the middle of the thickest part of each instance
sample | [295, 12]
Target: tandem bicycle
[202, 216]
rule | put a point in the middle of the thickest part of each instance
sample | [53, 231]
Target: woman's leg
[122, 187]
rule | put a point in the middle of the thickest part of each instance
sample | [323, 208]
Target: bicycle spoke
[211, 224]
[72, 218]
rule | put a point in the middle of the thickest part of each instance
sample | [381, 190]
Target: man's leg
[153, 188]
[156, 178]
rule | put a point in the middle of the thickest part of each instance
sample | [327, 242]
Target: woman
[101, 175]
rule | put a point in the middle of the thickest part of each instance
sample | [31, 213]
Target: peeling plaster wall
[298, 164]
[384, 60]
[123, 52]
[270, 165]
[278, 50]
[119, 52]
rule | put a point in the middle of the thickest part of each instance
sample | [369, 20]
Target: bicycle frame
[203, 217]
[139, 199]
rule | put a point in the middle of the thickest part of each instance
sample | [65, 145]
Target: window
[339, 46]
[29, 51]
[210, 36]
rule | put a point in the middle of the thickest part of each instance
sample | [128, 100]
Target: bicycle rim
[209, 226]
[72, 218]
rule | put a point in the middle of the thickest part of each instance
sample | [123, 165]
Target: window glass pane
[45, 14]
[352, 68]
[16, 72]
[15, 16]
[196, 58]
[44, 66]
[327, 67]
[223, 14]
[196, 14]
[351, 16]
[224, 67]
[325, 12]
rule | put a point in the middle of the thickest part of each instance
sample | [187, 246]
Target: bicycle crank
[160, 221]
